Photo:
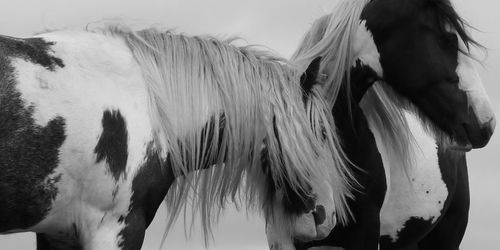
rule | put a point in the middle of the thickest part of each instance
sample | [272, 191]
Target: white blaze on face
[365, 49]
[471, 83]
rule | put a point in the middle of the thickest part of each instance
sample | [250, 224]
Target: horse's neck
[350, 120]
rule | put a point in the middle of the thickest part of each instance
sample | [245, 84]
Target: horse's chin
[459, 140]
[461, 147]
[471, 138]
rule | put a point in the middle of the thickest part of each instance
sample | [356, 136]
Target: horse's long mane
[331, 37]
[248, 97]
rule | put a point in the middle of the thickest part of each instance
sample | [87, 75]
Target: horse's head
[419, 47]
[311, 211]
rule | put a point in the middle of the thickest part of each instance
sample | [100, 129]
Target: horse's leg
[450, 230]
[43, 243]
[47, 242]
[132, 236]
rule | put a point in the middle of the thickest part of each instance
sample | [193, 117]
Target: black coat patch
[149, 188]
[29, 153]
[413, 226]
[34, 50]
[112, 144]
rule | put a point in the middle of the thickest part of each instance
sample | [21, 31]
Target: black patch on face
[319, 215]
[29, 153]
[149, 188]
[112, 144]
[34, 50]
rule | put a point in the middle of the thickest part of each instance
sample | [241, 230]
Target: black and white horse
[95, 127]
[408, 103]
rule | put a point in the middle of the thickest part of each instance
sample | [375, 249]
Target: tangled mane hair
[248, 97]
[449, 18]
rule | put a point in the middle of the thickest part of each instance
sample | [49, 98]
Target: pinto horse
[408, 134]
[96, 126]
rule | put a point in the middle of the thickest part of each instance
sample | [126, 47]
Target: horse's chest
[416, 196]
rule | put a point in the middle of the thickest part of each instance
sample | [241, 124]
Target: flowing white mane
[241, 97]
[331, 37]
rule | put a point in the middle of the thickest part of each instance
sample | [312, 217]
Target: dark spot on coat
[319, 215]
[112, 144]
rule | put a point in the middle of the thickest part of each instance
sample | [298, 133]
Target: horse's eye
[453, 79]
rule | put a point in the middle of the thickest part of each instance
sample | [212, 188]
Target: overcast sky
[277, 24]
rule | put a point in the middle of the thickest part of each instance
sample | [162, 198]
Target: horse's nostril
[492, 124]
[319, 214]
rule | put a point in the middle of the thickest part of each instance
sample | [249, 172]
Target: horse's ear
[310, 76]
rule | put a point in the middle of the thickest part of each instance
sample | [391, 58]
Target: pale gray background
[278, 24]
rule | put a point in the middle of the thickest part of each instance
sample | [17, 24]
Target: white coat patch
[421, 192]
